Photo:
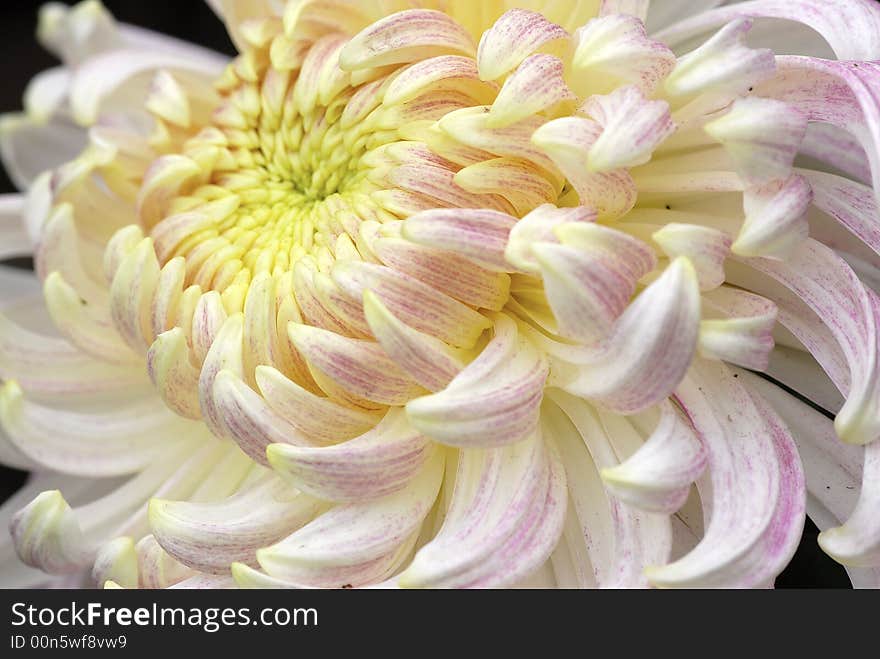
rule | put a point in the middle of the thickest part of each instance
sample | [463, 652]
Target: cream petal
[743, 334]
[631, 539]
[210, 536]
[321, 419]
[590, 278]
[632, 127]
[851, 28]
[775, 221]
[649, 349]
[14, 239]
[418, 305]
[757, 487]
[93, 444]
[504, 520]
[723, 64]
[826, 284]
[659, 475]
[706, 248]
[30, 147]
[476, 234]
[494, 401]
[568, 142]
[404, 37]
[357, 543]
[536, 85]
[378, 463]
[761, 136]
[614, 50]
[511, 39]
[540, 226]
[428, 361]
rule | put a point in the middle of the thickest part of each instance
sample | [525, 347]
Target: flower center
[278, 176]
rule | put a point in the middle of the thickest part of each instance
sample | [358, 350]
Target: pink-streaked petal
[723, 64]
[536, 85]
[358, 366]
[407, 36]
[494, 401]
[590, 278]
[615, 50]
[743, 334]
[428, 361]
[757, 500]
[210, 536]
[706, 248]
[478, 235]
[516, 35]
[568, 142]
[761, 136]
[632, 127]
[658, 476]
[776, 220]
[378, 463]
[620, 540]
[357, 543]
[852, 28]
[418, 305]
[851, 313]
[649, 349]
[505, 517]
[319, 418]
[540, 226]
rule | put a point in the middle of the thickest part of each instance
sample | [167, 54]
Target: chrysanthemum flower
[448, 294]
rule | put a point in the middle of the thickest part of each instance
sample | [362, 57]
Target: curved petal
[649, 349]
[852, 28]
[755, 486]
[504, 519]
[378, 463]
[494, 401]
[357, 543]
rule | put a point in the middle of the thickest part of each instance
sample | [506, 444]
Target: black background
[22, 57]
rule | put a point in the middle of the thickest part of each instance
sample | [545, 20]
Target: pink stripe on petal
[516, 35]
[407, 36]
[494, 401]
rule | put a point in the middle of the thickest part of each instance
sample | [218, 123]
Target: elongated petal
[744, 333]
[360, 367]
[428, 361]
[775, 218]
[632, 127]
[210, 536]
[357, 543]
[851, 28]
[722, 64]
[319, 418]
[761, 136]
[536, 85]
[706, 248]
[494, 401]
[659, 475]
[615, 50]
[378, 463]
[590, 278]
[757, 487]
[478, 235]
[516, 35]
[650, 347]
[505, 517]
[403, 37]
[568, 142]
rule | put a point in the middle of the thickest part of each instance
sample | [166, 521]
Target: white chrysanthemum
[460, 294]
